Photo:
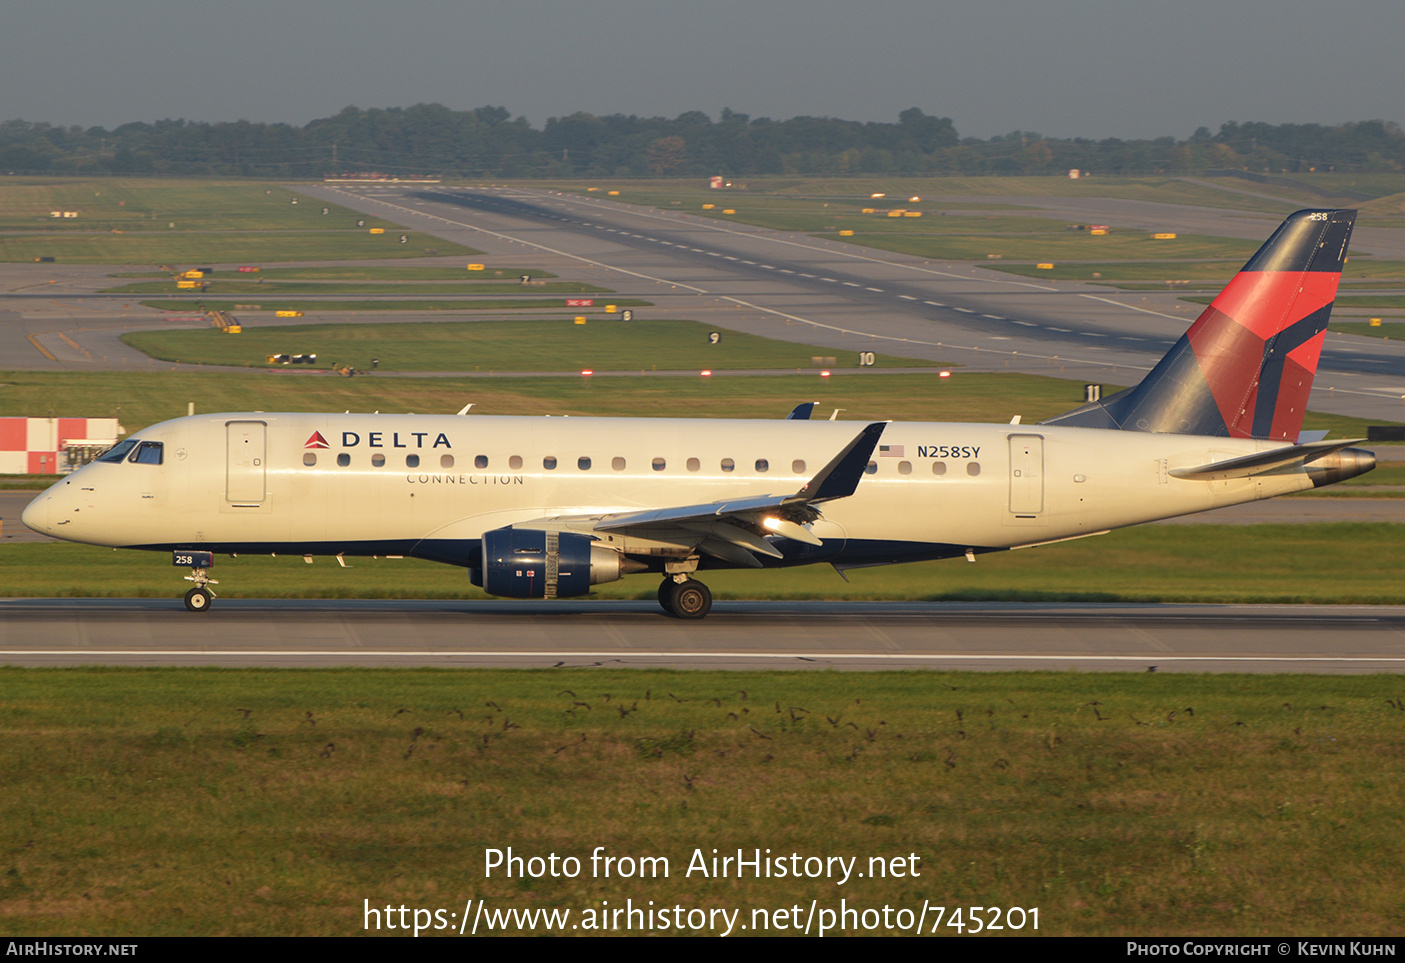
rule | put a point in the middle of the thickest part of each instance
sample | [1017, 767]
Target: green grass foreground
[279, 802]
[519, 345]
[1164, 563]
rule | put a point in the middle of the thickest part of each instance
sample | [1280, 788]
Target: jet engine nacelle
[528, 563]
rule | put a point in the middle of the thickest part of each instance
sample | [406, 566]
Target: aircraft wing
[735, 528]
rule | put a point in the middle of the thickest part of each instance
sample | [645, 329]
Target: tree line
[431, 139]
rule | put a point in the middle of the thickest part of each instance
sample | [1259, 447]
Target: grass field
[254, 291]
[1390, 330]
[283, 802]
[139, 399]
[300, 303]
[192, 248]
[525, 345]
[1171, 563]
[369, 272]
[1163, 271]
[1051, 247]
[185, 222]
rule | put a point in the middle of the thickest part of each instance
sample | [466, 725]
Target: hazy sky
[1090, 68]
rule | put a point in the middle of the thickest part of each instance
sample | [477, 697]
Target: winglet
[801, 412]
[840, 478]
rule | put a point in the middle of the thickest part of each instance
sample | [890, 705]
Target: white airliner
[548, 507]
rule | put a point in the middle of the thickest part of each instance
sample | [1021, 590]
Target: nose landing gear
[685, 598]
[199, 598]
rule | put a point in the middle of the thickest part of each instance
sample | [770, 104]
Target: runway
[848, 298]
[874, 636]
[841, 297]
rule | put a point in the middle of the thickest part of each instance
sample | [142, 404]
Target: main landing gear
[685, 598]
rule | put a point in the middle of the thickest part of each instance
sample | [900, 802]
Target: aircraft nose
[36, 514]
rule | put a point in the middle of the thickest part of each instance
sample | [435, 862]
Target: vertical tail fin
[1245, 367]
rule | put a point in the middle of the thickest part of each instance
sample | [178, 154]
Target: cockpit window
[118, 451]
[147, 453]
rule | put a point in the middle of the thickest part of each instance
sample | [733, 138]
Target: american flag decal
[890, 451]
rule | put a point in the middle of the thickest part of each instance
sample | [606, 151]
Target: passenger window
[763, 465]
[904, 468]
[309, 458]
[515, 462]
[343, 459]
[973, 468]
[378, 461]
[798, 466]
[694, 464]
[728, 464]
[480, 461]
[118, 451]
[659, 464]
[617, 463]
[549, 462]
[446, 461]
[583, 463]
[411, 461]
[149, 453]
[871, 468]
[938, 468]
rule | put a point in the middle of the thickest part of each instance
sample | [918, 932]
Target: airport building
[53, 446]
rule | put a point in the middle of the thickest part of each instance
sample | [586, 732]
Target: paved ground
[738, 635]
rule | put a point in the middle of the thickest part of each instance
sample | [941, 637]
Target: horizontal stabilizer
[1260, 461]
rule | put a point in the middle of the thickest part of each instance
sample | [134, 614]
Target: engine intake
[527, 563]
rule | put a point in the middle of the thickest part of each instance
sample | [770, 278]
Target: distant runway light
[944, 374]
[707, 372]
[587, 372]
[824, 374]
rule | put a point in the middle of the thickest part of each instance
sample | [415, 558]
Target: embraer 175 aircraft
[548, 507]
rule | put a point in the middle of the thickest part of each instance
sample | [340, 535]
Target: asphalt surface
[738, 635]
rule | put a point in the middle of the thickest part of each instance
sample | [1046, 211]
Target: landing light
[773, 524]
[707, 372]
[824, 374]
[586, 372]
[944, 374]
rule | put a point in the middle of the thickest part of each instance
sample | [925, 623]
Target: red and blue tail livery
[1245, 367]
